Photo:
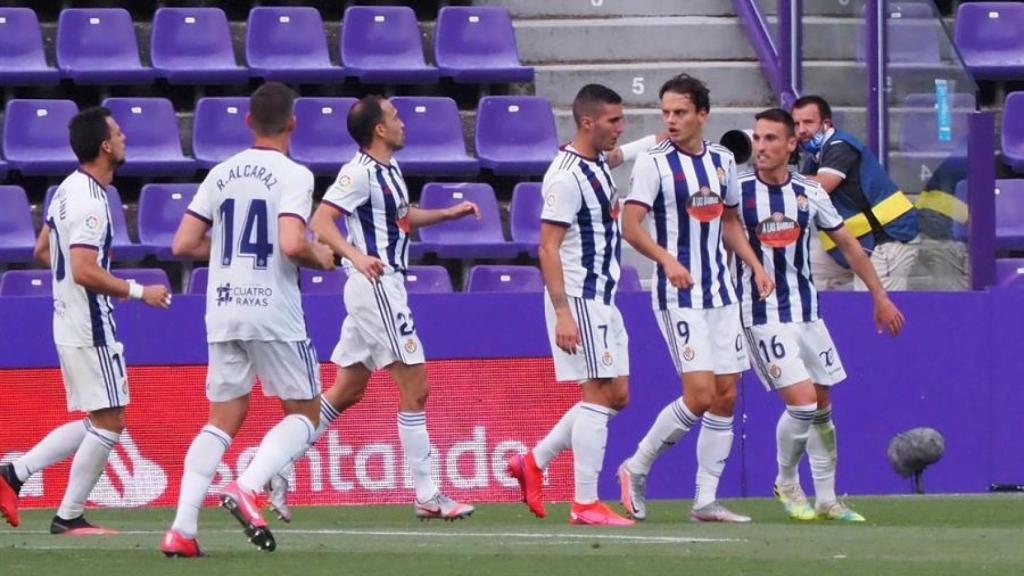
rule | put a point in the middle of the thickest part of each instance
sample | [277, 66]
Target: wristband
[135, 291]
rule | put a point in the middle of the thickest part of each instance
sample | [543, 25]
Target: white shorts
[379, 329]
[95, 377]
[604, 352]
[785, 354]
[287, 370]
[708, 340]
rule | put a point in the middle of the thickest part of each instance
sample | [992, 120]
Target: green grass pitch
[931, 535]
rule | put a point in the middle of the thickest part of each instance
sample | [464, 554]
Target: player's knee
[725, 401]
[618, 399]
[417, 397]
[111, 420]
[700, 400]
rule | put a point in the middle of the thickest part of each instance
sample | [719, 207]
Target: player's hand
[323, 254]
[369, 266]
[888, 316]
[567, 334]
[765, 285]
[615, 157]
[678, 275]
[156, 295]
[662, 136]
[461, 210]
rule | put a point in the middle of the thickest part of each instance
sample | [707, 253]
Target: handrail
[757, 31]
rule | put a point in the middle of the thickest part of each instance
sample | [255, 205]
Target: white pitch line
[415, 534]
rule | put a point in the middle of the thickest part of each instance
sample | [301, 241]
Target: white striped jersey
[580, 194]
[253, 288]
[375, 201]
[687, 195]
[79, 216]
[778, 221]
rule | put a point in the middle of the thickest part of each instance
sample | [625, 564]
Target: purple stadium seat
[988, 36]
[321, 140]
[161, 207]
[427, 280]
[515, 135]
[322, 282]
[197, 280]
[629, 279]
[433, 137]
[1010, 214]
[914, 32]
[218, 129]
[22, 60]
[35, 282]
[505, 279]
[1012, 136]
[17, 232]
[36, 137]
[154, 143]
[478, 45]
[466, 237]
[123, 248]
[1010, 272]
[98, 46]
[383, 45]
[193, 46]
[144, 276]
[289, 44]
[524, 217]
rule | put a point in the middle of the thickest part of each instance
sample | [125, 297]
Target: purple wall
[956, 368]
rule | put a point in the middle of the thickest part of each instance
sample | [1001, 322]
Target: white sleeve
[633, 149]
[350, 190]
[297, 198]
[201, 205]
[826, 217]
[88, 223]
[732, 183]
[562, 199]
[645, 181]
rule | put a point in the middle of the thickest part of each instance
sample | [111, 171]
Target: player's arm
[191, 239]
[91, 276]
[42, 250]
[887, 315]
[325, 227]
[291, 232]
[735, 239]
[836, 162]
[420, 217]
[567, 334]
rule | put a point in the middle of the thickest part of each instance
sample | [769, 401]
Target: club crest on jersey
[705, 205]
[802, 204]
[403, 217]
[92, 222]
[410, 345]
[774, 371]
[778, 231]
[721, 173]
[689, 354]
[607, 358]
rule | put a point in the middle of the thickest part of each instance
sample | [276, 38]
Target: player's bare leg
[714, 443]
[791, 442]
[413, 390]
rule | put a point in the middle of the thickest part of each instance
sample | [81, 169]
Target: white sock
[201, 462]
[589, 437]
[557, 440]
[60, 443]
[823, 453]
[86, 467]
[713, 446]
[673, 421]
[412, 431]
[285, 442]
[327, 416]
[791, 440]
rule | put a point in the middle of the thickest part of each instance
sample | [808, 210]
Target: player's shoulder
[357, 170]
[746, 175]
[562, 168]
[810, 187]
[662, 148]
[81, 191]
[294, 170]
[720, 150]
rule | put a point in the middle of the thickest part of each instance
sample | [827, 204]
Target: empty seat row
[379, 44]
[418, 280]
[514, 135]
[161, 207]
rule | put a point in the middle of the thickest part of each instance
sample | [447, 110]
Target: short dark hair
[824, 110]
[271, 107]
[688, 86]
[591, 96]
[363, 118]
[778, 115]
[87, 131]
